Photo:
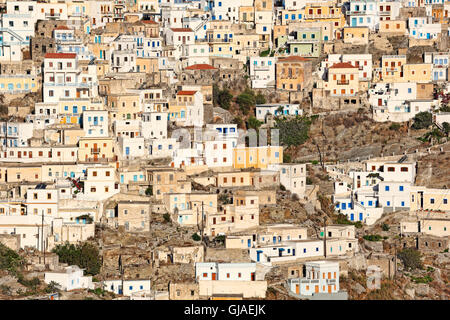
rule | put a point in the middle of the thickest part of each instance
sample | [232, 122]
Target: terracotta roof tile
[62, 28]
[181, 29]
[201, 66]
[342, 65]
[60, 55]
[186, 92]
[292, 58]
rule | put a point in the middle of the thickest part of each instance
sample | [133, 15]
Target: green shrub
[425, 279]
[309, 181]
[282, 188]
[52, 287]
[293, 131]
[220, 238]
[446, 127]
[246, 100]
[260, 99]
[10, 260]
[286, 158]
[196, 237]
[410, 258]
[166, 217]
[422, 120]
[385, 227]
[373, 237]
[222, 98]
[394, 126]
[149, 191]
[342, 219]
[264, 53]
[85, 255]
[254, 123]
[314, 162]
[31, 283]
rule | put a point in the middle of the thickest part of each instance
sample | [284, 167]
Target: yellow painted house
[324, 12]
[124, 106]
[392, 68]
[17, 83]
[417, 72]
[96, 149]
[257, 157]
[423, 198]
[70, 111]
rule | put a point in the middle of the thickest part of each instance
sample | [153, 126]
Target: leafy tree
[222, 98]
[245, 101]
[286, 158]
[149, 191]
[260, 99]
[166, 217]
[385, 227]
[215, 91]
[52, 287]
[422, 120]
[410, 258]
[446, 127]
[238, 121]
[254, 123]
[294, 131]
[225, 98]
[10, 260]
[196, 237]
[85, 255]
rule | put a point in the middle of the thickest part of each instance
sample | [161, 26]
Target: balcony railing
[391, 69]
[52, 15]
[343, 82]
[321, 16]
[95, 150]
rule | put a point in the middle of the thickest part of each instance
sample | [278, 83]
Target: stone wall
[12, 241]
[226, 255]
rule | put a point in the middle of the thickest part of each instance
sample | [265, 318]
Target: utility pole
[198, 225]
[150, 218]
[42, 235]
[325, 237]
[203, 214]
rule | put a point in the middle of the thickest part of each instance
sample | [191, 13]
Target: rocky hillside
[351, 135]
